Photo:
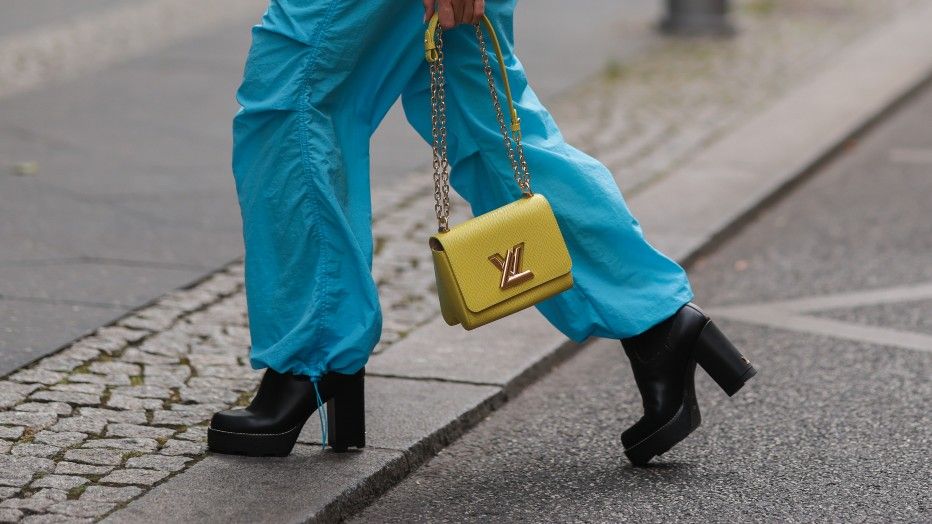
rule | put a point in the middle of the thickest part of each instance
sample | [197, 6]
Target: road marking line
[851, 299]
[790, 315]
[96, 40]
[777, 318]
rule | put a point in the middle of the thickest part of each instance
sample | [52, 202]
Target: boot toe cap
[239, 421]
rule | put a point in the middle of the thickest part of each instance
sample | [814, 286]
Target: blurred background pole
[697, 17]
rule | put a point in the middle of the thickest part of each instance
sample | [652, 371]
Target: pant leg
[318, 78]
[623, 285]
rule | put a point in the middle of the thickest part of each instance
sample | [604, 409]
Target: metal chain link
[438, 118]
[511, 139]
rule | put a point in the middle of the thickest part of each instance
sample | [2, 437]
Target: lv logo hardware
[510, 266]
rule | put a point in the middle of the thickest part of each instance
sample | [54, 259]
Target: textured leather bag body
[507, 259]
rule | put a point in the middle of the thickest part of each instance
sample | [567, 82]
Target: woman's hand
[455, 12]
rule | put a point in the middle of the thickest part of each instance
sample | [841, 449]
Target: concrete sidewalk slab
[240, 489]
[90, 41]
[485, 355]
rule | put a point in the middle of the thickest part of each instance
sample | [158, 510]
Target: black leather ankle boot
[664, 360]
[270, 425]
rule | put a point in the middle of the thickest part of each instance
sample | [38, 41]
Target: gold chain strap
[510, 137]
[438, 121]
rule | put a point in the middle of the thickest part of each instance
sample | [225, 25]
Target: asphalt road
[836, 426]
[133, 196]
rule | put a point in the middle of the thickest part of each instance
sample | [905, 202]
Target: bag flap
[522, 236]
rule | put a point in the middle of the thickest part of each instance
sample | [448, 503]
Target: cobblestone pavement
[84, 431]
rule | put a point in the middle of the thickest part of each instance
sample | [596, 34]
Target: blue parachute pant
[318, 79]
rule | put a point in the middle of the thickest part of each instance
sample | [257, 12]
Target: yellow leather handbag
[507, 259]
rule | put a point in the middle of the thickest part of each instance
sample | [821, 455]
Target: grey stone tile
[230, 372]
[12, 393]
[96, 389]
[59, 408]
[107, 380]
[122, 334]
[203, 361]
[75, 468]
[223, 384]
[112, 415]
[492, 354]
[117, 401]
[171, 344]
[18, 471]
[125, 444]
[205, 410]
[115, 368]
[51, 518]
[159, 462]
[81, 399]
[107, 345]
[165, 381]
[56, 495]
[10, 515]
[177, 418]
[141, 357]
[183, 447]
[133, 430]
[208, 395]
[151, 320]
[64, 482]
[38, 376]
[33, 504]
[81, 508]
[195, 433]
[180, 371]
[110, 494]
[34, 450]
[81, 424]
[11, 433]
[80, 352]
[59, 363]
[141, 477]
[11, 387]
[102, 457]
[62, 439]
[16, 479]
[31, 420]
[144, 391]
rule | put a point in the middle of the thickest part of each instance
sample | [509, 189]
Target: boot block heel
[346, 415]
[722, 360]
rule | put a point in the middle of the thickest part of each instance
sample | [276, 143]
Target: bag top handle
[432, 55]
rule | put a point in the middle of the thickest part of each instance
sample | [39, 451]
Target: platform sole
[684, 422]
[252, 444]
